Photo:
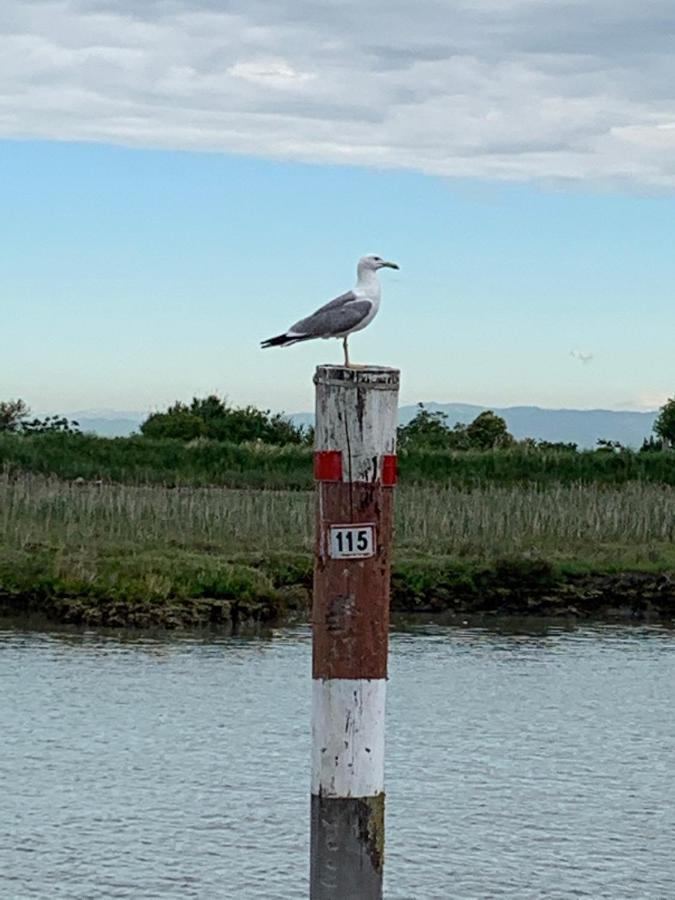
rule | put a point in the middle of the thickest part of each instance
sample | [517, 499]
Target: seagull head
[373, 263]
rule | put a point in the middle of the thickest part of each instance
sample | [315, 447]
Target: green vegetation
[181, 526]
[15, 418]
[633, 525]
[212, 418]
[430, 431]
[140, 460]
[209, 442]
[143, 554]
[664, 427]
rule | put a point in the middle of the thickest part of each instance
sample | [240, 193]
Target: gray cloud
[537, 90]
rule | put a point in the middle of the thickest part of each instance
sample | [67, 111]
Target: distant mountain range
[108, 422]
[580, 426]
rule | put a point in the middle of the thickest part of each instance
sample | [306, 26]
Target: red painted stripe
[389, 469]
[328, 465]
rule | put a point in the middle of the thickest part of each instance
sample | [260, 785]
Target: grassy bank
[114, 554]
[171, 462]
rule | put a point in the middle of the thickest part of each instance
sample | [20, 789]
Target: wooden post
[355, 471]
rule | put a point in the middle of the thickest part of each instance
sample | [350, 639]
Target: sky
[180, 180]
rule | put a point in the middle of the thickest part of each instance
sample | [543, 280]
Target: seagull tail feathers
[282, 340]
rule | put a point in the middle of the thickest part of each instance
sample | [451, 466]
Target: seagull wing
[334, 318]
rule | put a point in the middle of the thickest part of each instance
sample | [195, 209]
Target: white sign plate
[352, 541]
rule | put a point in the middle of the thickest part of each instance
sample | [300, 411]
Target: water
[520, 765]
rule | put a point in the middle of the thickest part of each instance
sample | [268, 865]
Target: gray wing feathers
[336, 317]
[335, 304]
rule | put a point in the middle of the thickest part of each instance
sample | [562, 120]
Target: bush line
[139, 460]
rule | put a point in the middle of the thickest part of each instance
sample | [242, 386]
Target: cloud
[562, 91]
[646, 401]
[273, 73]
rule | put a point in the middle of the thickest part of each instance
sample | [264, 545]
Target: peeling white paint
[359, 418]
[348, 736]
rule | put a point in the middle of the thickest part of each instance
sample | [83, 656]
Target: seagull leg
[348, 364]
[346, 348]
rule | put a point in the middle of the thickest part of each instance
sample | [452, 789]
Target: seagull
[581, 356]
[341, 317]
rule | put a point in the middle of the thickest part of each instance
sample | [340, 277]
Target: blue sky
[133, 277]
[179, 180]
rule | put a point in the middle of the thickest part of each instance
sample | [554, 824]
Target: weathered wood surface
[347, 848]
[357, 413]
[351, 597]
[348, 739]
[356, 419]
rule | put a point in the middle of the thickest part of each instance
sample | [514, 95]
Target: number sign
[352, 541]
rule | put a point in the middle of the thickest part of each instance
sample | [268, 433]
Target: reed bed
[583, 522]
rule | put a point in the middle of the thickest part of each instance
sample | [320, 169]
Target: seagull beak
[389, 265]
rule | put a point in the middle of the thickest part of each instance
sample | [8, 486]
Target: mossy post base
[342, 829]
[355, 472]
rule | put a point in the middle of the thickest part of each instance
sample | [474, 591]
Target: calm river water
[520, 764]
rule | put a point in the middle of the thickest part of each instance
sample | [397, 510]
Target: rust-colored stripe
[389, 469]
[351, 597]
[328, 465]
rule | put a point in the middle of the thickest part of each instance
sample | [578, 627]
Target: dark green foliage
[444, 584]
[12, 414]
[14, 418]
[138, 460]
[212, 418]
[430, 431]
[518, 465]
[603, 445]
[179, 589]
[51, 425]
[554, 446]
[168, 589]
[430, 584]
[488, 431]
[664, 427]
[289, 570]
[146, 576]
[177, 423]
[652, 445]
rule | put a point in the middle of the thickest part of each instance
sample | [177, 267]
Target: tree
[556, 446]
[12, 414]
[651, 445]
[488, 431]
[427, 430]
[664, 427]
[211, 417]
[14, 417]
[51, 425]
[177, 422]
[603, 445]
[430, 431]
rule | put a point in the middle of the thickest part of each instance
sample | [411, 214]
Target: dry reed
[559, 521]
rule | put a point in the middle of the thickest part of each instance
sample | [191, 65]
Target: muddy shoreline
[506, 589]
